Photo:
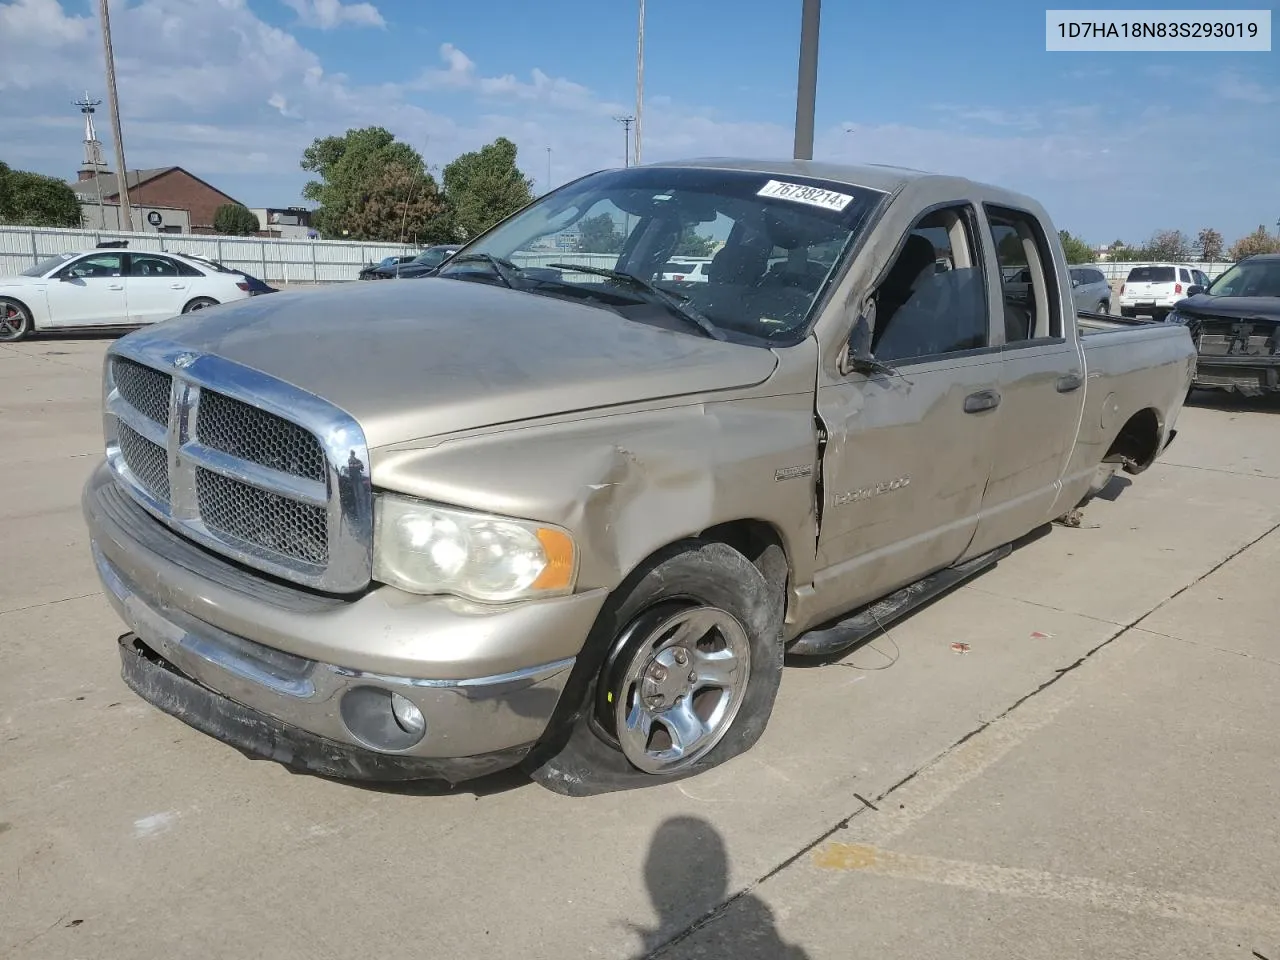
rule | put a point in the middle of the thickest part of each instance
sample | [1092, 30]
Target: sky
[1115, 145]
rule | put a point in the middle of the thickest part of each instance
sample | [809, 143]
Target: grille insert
[265, 519]
[146, 460]
[240, 430]
[146, 390]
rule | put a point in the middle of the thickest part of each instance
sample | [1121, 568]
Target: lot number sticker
[799, 193]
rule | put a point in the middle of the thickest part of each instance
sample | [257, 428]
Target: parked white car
[686, 270]
[110, 288]
[1152, 289]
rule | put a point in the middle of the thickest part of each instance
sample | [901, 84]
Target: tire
[15, 321]
[199, 303]
[1104, 306]
[695, 605]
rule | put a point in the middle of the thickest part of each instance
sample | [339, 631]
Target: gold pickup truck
[547, 508]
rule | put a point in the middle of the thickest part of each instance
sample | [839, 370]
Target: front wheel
[199, 303]
[15, 321]
[692, 662]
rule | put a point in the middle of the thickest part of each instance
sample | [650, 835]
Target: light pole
[113, 104]
[807, 83]
[639, 81]
[548, 169]
[626, 134]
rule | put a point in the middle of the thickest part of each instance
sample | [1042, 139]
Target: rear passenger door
[1042, 385]
[157, 287]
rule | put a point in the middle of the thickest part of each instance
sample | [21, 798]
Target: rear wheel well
[1137, 443]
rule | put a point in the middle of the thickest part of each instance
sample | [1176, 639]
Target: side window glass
[1032, 309]
[933, 300]
[1183, 275]
[98, 265]
[142, 265]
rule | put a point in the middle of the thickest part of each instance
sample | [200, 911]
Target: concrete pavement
[1095, 777]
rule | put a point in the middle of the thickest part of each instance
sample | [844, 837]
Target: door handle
[1069, 382]
[177, 286]
[982, 400]
[115, 286]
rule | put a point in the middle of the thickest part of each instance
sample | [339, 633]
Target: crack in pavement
[905, 821]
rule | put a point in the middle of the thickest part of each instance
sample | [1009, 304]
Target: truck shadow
[687, 875]
[1115, 486]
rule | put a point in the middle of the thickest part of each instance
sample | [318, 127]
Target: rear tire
[15, 321]
[1104, 306]
[631, 715]
[199, 303]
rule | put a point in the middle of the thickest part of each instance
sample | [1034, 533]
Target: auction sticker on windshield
[801, 193]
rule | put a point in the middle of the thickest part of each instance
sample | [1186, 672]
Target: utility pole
[807, 83]
[93, 151]
[626, 127]
[639, 81]
[113, 104]
[548, 169]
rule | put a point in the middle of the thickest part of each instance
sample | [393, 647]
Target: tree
[34, 200]
[1009, 251]
[1167, 245]
[484, 186]
[692, 244]
[1254, 243]
[372, 187]
[235, 220]
[1210, 244]
[599, 234]
[1076, 250]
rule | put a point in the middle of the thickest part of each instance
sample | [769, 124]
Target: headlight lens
[424, 548]
[1175, 317]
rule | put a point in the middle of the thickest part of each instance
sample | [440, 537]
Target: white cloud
[1232, 86]
[329, 14]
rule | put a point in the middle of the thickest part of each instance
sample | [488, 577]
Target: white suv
[1152, 290]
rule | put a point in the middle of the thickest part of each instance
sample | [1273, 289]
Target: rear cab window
[1150, 275]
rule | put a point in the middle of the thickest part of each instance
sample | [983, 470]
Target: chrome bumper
[464, 717]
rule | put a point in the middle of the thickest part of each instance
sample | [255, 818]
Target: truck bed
[1091, 324]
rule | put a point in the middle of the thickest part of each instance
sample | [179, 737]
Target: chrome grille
[147, 461]
[248, 466]
[146, 390]
[251, 434]
[262, 518]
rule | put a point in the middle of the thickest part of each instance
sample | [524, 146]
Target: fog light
[408, 715]
[381, 719]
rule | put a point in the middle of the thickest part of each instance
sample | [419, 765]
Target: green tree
[1167, 245]
[1254, 243]
[599, 234]
[1210, 244]
[1076, 250]
[372, 187]
[34, 200]
[484, 186]
[235, 220]
[1009, 250]
[692, 244]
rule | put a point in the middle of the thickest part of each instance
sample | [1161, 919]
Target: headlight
[1175, 317]
[424, 548]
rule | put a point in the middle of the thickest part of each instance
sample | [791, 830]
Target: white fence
[280, 261]
[1116, 270]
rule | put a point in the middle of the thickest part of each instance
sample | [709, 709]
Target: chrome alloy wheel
[681, 690]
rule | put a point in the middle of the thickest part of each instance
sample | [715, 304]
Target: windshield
[1251, 278]
[49, 263]
[1150, 275]
[430, 258]
[767, 245]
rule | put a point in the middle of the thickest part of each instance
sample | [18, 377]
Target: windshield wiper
[680, 306]
[504, 269]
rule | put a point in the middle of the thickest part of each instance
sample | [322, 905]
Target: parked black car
[371, 271]
[1235, 325]
[418, 266]
[256, 286]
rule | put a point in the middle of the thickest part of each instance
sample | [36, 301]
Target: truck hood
[1234, 308]
[411, 360]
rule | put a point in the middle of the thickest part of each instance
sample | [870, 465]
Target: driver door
[89, 292]
[908, 453]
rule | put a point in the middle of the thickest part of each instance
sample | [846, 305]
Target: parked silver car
[1090, 289]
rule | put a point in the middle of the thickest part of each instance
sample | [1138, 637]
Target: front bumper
[1250, 376]
[237, 656]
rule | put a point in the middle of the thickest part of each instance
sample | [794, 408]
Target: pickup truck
[537, 512]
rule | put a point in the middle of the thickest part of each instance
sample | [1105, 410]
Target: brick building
[163, 188]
